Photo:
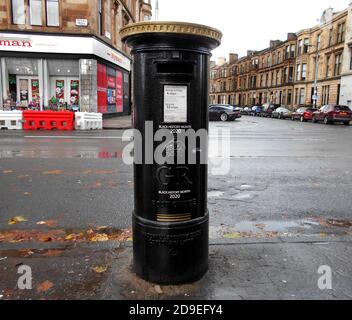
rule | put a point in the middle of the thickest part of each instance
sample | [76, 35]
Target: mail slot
[171, 62]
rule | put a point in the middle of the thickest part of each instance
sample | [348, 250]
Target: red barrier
[48, 120]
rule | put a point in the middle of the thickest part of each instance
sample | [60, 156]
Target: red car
[330, 114]
[303, 114]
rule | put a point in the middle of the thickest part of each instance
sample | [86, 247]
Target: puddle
[244, 196]
[246, 187]
[215, 194]
[259, 228]
[268, 226]
[62, 153]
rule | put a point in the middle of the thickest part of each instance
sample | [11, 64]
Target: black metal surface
[170, 234]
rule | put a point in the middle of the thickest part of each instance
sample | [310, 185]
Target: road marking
[69, 137]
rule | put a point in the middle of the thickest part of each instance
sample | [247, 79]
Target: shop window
[18, 12]
[52, 13]
[35, 9]
[23, 83]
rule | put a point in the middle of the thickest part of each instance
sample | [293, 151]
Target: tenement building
[66, 54]
[311, 67]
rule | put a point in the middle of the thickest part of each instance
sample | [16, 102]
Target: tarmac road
[286, 200]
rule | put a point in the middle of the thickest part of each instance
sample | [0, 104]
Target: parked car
[303, 114]
[268, 109]
[330, 114]
[281, 113]
[223, 113]
[256, 111]
[246, 111]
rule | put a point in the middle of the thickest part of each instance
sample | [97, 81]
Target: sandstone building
[67, 52]
[286, 72]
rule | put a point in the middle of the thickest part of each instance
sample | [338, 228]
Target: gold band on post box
[171, 27]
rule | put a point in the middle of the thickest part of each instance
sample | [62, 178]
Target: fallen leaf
[26, 253]
[102, 237]
[260, 226]
[27, 194]
[52, 253]
[45, 239]
[74, 236]
[103, 172]
[53, 172]
[16, 220]
[100, 269]
[49, 223]
[45, 286]
[97, 185]
[7, 171]
[158, 290]
[23, 176]
[232, 235]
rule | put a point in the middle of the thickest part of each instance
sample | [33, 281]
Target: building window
[341, 32]
[35, 12]
[296, 96]
[287, 52]
[318, 41]
[290, 74]
[326, 95]
[100, 17]
[306, 45]
[52, 13]
[338, 64]
[301, 96]
[304, 71]
[289, 97]
[298, 72]
[331, 34]
[300, 44]
[293, 50]
[328, 73]
[18, 12]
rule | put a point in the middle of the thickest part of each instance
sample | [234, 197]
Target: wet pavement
[283, 210]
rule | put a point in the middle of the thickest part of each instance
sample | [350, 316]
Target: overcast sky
[248, 24]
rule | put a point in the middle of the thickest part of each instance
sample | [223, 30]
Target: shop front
[62, 72]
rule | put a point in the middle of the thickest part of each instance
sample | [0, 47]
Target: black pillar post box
[171, 62]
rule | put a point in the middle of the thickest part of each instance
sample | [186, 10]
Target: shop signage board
[62, 44]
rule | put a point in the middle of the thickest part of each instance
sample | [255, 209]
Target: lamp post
[315, 94]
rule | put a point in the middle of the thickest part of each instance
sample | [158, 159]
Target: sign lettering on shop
[15, 43]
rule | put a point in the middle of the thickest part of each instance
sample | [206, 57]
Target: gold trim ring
[171, 27]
